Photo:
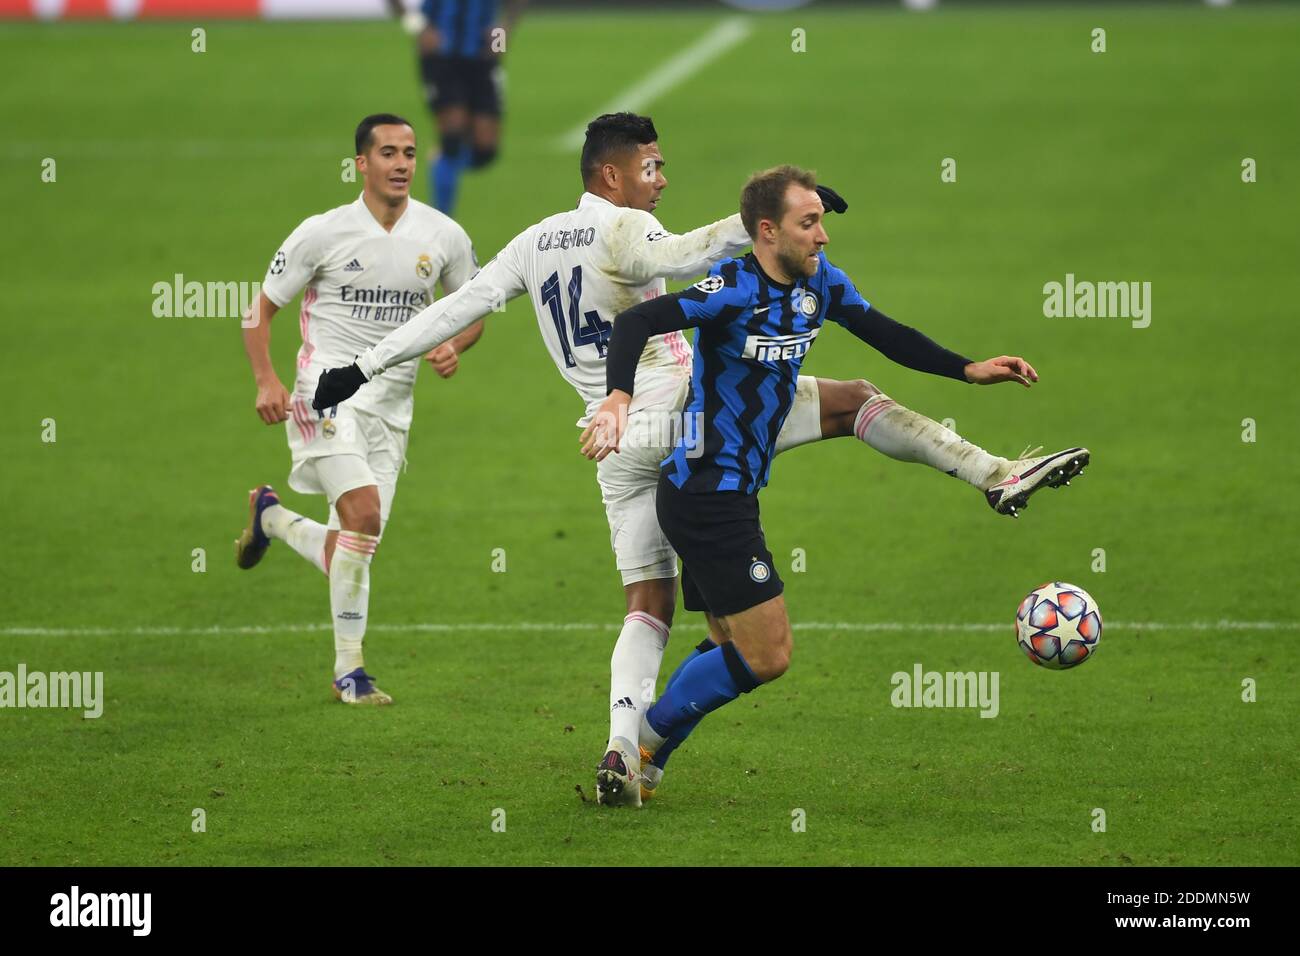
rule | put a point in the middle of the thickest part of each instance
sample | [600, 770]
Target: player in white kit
[581, 268]
[366, 268]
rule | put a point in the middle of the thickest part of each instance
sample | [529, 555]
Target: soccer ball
[1058, 625]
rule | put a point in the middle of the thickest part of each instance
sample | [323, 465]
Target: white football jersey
[581, 268]
[361, 282]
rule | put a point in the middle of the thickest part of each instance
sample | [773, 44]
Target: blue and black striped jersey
[462, 25]
[751, 339]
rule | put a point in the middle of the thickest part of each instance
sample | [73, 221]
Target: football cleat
[618, 775]
[358, 687]
[650, 775]
[1010, 494]
[252, 541]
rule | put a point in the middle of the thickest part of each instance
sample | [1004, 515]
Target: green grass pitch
[1124, 165]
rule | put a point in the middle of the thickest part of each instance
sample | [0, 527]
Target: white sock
[350, 597]
[649, 738]
[633, 669]
[906, 435]
[305, 536]
[804, 423]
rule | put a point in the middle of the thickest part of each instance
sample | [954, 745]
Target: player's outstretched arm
[642, 251]
[632, 329]
[901, 343]
[495, 284]
[272, 397]
[488, 291]
[1004, 368]
[913, 349]
[897, 342]
[421, 335]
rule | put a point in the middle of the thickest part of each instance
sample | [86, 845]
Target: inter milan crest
[808, 304]
[759, 571]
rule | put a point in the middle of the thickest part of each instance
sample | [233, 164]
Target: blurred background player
[366, 268]
[460, 45]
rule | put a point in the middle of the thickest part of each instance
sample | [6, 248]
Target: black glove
[337, 385]
[832, 200]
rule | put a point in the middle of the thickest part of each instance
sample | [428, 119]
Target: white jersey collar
[591, 199]
[374, 225]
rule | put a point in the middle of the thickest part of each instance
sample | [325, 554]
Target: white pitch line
[861, 627]
[667, 75]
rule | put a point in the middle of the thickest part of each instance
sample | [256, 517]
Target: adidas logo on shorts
[625, 702]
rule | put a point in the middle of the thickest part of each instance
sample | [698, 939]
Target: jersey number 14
[588, 329]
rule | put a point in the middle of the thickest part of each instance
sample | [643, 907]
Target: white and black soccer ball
[1058, 625]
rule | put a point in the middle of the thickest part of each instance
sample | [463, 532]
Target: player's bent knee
[776, 656]
[656, 597]
[771, 666]
[779, 666]
[863, 391]
[665, 611]
[778, 661]
[359, 511]
[363, 521]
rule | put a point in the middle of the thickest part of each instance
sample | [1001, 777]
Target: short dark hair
[366, 128]
[612, 134]
[764, 195]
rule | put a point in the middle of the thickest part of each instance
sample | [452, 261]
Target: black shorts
[461, 81]
[726, 567]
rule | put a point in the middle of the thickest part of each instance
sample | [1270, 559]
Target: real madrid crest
[424, 266]
[327, 428]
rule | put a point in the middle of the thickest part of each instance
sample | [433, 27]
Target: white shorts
[346, 450]
[628, 479]
[627, 487]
